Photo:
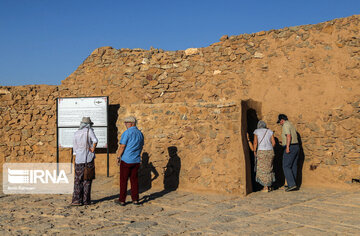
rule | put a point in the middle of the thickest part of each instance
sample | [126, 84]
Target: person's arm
[120, 152]
[255, 144]
[288, 141]
[154, 171]
[273, 140]
[122, 145]
[249, 142]
[92, 149]
[93, 139]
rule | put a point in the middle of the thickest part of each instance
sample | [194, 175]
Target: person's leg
[78, 182]
[288, 160]
[260, 172]
[134, 182]
[87, 192]
[124, 175]
[87, 186]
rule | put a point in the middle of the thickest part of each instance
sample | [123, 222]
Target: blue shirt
[134, 141]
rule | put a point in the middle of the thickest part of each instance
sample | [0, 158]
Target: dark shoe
[292, 188]
[136, 203]
[284, 187]
[119, 203]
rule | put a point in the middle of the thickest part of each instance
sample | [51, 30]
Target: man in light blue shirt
[131, 145]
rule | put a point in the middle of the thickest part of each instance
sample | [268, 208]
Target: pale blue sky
[44, 41]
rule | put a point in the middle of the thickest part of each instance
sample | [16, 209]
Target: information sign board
[72, 110]
[69, 114]
[66, 136]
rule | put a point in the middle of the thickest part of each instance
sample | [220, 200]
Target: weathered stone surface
[191, 51]
[258, 55]
[224, 37]
[199, 69]
[4, 91]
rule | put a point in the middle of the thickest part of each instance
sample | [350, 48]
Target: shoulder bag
[89, 171]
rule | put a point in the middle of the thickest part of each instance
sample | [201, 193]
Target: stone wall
[28, 123]
[309, 72]
[198, 143]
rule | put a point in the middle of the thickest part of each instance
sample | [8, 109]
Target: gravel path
[305, 212]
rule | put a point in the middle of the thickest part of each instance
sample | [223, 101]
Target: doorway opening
[251, 114]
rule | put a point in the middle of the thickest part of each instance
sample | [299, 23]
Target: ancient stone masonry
[205, 138]
[182, 99]
[28, 123]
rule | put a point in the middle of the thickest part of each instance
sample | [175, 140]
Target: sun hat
[86, 120]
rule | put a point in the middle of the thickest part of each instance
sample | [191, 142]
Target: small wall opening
[251, 114]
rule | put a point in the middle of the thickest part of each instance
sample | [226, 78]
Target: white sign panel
[72, 110]
[66, 136]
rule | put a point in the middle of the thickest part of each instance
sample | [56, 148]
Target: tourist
[264, 142]
[291, 152]
[84, 145]
[131, 145]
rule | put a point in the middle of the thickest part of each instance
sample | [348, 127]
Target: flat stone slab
[308, 211]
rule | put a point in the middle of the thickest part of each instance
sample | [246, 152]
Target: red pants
[126, 171]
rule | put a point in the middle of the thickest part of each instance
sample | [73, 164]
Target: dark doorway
[251, 111]
[112, 130]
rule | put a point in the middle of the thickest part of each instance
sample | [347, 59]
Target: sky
[44, 41]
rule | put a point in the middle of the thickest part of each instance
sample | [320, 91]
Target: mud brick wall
[309, 72]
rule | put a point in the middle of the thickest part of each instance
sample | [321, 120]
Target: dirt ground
[309, 211]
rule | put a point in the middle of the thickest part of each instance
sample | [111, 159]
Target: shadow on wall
[277, 165]
[112, 130]
[300, 161]
[172, 171]
[146, 170]
[171, 176]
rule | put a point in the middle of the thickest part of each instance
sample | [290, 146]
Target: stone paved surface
[304, 212]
